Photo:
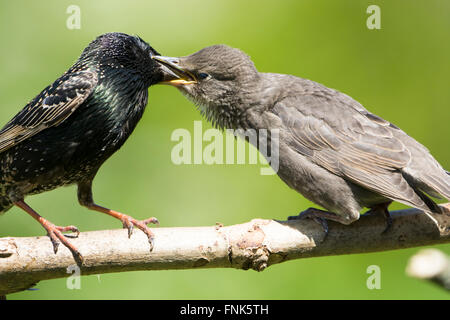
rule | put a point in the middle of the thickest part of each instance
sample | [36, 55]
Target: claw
[130, 223]
[130, 230]
[388, 222]
[54, 232]
[323, 222]
[54, 241]
[383, 210]
[151, 242]
[309, 214]
[314, 214]
[127, 224]
[57, 237]
[152, 220]
[71, 229]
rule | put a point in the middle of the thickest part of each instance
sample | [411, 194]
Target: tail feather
[438, 182]
[430, 184]
[5, 205]
[433, 206]
[434, 182]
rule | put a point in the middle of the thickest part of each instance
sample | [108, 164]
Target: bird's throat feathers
[227, 110]
[221, 115]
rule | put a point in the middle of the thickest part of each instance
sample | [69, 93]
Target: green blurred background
[401, 72]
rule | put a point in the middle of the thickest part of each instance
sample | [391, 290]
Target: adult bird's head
[113, 54]
[218, 79]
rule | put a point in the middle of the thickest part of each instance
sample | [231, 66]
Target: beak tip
[173, 73]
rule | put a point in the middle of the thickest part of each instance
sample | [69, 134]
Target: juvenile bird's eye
[202, 75]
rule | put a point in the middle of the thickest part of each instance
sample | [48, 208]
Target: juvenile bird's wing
[337, 133]
[51, 107]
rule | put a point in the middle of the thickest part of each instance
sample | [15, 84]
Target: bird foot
[55, 233]
[56, 236]
[383, 210]
[129, 223]
[312, 213]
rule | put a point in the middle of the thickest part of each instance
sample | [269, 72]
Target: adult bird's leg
[54, 232]
[85, 198]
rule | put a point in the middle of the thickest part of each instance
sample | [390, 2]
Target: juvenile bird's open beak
[174, 74]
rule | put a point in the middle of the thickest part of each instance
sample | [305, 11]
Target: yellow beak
[173, 64]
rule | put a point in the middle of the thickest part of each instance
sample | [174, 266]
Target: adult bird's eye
[202, 75]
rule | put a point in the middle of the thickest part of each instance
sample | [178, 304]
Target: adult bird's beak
[174, 74]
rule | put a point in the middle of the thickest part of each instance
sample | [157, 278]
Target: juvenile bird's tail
[425, 175]
[440, 184]
[435, 183]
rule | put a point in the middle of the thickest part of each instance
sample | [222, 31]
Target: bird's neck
[122, 104]
[237, 113]
[259, 97]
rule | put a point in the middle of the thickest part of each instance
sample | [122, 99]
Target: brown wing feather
[348, 141]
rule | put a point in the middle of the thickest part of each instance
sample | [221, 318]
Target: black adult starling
[65, 133]
[331, 149]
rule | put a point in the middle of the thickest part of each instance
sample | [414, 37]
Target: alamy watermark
[74, 280]
[374, 20]
[224, 148]
[74, 19]
[374, 280]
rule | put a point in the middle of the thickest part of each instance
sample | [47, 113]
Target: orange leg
[85, 198]
[129, 222]
[54, 232]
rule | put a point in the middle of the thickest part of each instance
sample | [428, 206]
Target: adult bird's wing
[51, 107]
[337, 133]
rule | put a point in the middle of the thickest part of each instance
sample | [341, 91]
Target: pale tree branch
[432, 265]
[253, 245]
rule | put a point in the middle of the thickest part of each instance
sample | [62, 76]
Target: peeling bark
[255, 245]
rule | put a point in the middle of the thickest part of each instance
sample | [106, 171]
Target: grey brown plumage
[332, 150]
[338, 134]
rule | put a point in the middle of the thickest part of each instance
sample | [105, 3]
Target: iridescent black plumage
[65, 134]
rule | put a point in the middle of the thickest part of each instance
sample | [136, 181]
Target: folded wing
[337, 133]
[51, 107]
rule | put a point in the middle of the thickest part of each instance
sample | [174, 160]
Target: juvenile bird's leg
[383, 209]
[54, 232]
[85, 198]
[317, 215]
[321, 217]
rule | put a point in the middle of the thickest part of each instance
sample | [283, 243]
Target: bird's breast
[73, 150]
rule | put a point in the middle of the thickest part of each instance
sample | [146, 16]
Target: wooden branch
[432, 265]
[253, 245]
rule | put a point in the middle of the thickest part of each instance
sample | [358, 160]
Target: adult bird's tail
[5, 205]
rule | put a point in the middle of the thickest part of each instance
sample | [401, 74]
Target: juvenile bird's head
[218, 79]
[118, 54]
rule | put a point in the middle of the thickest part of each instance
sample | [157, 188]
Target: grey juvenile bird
[73, 126]
[331, 149]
